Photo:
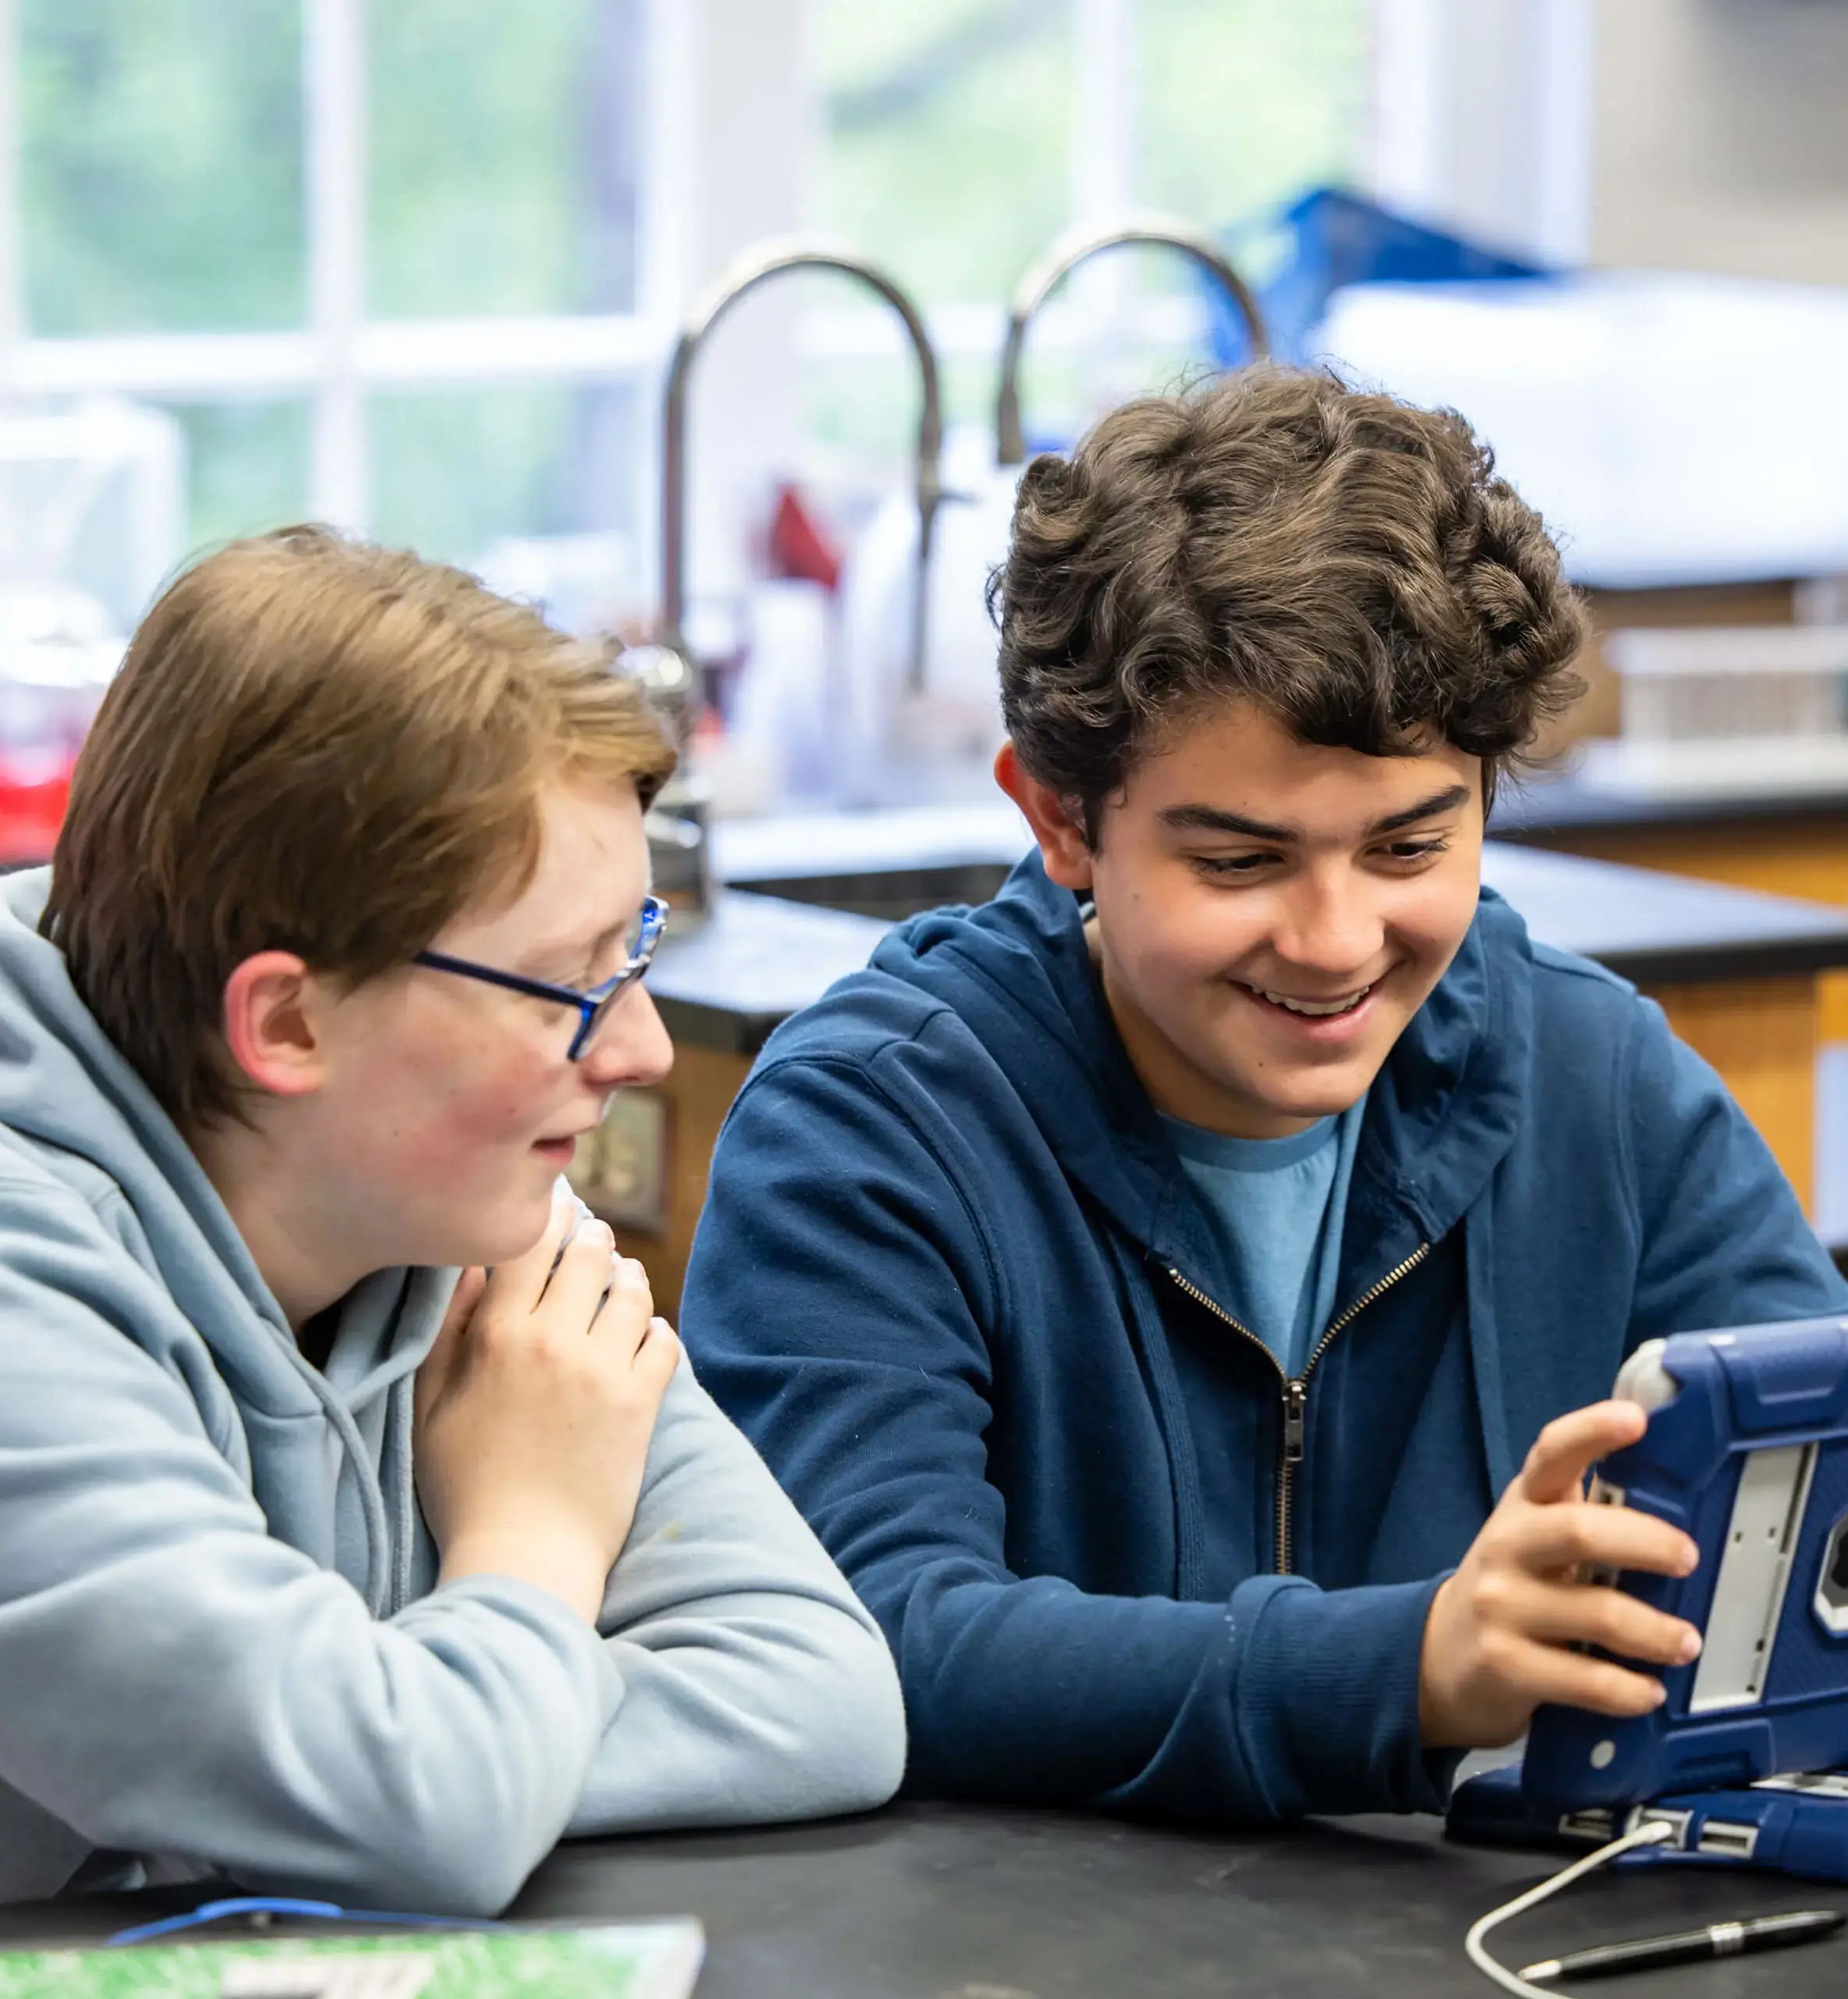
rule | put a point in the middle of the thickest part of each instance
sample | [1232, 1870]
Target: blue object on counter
[1342, 239]
[1748, 1455]
[1793, 1825]
[259, 1909]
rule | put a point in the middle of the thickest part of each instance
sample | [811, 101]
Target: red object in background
[797, 546]
[30, 817]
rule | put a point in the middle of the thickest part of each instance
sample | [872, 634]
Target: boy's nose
[1331, 928]
[633, 1045]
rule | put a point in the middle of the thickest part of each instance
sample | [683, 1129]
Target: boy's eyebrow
[1446, 800]
[1210, 819]
[573, 949]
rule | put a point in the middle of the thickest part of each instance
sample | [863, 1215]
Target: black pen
[1687, 1947]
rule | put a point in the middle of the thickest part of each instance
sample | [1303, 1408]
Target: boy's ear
[1057, 822]
[270, 1024]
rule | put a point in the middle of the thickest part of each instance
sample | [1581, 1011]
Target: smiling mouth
[1312, 1010]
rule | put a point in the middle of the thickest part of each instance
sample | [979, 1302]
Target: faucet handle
[668, 676]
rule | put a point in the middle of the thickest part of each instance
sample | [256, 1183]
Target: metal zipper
[1296, 1392]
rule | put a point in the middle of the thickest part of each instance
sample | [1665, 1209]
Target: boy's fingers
[583, 1275]
[1574, 1531]
[1570, 1445]
[628, 1311]
[521, 1283]
[436, 1367]
[469, 1287]
[657, 1353]
[1578, 1613]
[1573, 1680]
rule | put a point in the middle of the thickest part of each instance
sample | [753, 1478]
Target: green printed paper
[630, 1961]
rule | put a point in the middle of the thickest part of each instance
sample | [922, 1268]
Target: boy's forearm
[1286, 1701]
[553, 1559]
[756, 1685]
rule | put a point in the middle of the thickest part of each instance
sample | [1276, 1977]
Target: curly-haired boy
[1147, 1282]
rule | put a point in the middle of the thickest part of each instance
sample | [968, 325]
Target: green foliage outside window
[164, 189]
[948, 143]
[503, 159]
[161, 166]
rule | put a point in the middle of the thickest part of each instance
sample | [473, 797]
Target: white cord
[1652, 1832]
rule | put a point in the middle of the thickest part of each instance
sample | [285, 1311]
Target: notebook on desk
[627, 1961]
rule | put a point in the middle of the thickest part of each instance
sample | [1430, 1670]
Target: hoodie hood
[71, 1107]
[64, 1084]
[1441, 1116]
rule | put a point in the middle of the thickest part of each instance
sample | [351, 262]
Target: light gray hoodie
[221, 1647]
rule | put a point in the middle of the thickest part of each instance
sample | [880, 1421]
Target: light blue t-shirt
[1276, 1207]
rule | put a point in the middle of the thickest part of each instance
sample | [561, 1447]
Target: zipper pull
[1295, 1395]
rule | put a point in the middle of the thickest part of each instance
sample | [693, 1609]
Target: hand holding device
[1498, 1642]
[1745, 1451]
[535, 1408]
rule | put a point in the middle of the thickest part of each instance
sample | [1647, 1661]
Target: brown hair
[320, 746]
[1350, 564]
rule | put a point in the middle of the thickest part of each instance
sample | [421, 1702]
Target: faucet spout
[768, 261]
[1061, 259]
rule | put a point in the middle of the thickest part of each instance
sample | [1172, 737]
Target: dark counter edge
[731, 1031]
[1551, 806]
[743, 1031]
[1770, 957]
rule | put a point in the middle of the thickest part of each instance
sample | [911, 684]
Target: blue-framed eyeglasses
[592, 1006]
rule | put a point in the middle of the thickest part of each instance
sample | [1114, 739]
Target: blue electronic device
[1746, 1450]
[1793, 1825]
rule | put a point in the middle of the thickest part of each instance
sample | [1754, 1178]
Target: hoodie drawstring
[400, 1417]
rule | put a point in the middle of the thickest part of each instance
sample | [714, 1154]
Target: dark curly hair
[1350, 564]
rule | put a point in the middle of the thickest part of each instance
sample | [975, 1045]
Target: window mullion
[333, 33]
[1102, 157]
[668, 193]
[12, 292]
[1103, 139]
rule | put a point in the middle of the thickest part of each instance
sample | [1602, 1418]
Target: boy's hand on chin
[535, 1408]
[1498, 1642]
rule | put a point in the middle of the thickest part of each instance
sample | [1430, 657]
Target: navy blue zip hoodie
[953, 1283]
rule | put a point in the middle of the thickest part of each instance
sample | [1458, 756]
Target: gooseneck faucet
[1062, 257]
[770, 260]
[678, 823]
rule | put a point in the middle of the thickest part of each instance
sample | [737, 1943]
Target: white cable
[1652, 1832]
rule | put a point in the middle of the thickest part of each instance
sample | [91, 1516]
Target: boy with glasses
[1181, 1293]
[361, 1530]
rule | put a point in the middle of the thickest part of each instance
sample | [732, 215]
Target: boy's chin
[514, 1228]
[1322, 1092]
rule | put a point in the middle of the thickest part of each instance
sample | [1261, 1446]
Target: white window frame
[700, 186]
[1483, 119]
[1100, 170]
[1518, 174]
[341, 357]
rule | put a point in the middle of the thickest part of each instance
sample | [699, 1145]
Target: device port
[1592, 1824]
[1731, 1842]
[1678, 1823]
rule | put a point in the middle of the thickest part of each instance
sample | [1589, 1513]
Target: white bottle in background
[937, 744]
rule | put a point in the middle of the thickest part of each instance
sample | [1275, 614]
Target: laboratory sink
[889, 893]
[888, 864]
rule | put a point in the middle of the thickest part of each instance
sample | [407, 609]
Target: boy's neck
[293, 1246]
